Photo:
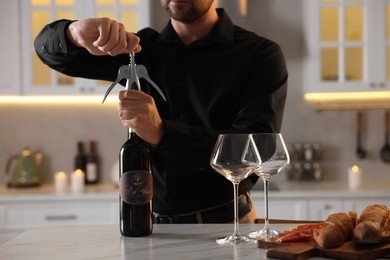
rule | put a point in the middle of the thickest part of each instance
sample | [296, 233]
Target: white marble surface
[325, 189]
[177, 241]
[6, 235]
[47, 192]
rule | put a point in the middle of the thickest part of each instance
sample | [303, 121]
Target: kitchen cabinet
[2, 218]
[348, 45]
[282, 208]
[320, 209]
[295, 201]
[358, 205]
[9, 47]
[49, 213]
[23, 73]
[39, 207]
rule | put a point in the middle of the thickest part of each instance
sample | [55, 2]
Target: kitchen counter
[278, 189]
[177, 241]
[168, 241]
[325, 189]
[47, 192]
[42, 206]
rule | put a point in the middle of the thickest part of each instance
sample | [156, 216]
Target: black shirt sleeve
[56, 51]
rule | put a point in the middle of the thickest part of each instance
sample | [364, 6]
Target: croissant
[374, 225]
[335, 230]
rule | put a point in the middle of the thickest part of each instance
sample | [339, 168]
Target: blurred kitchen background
[54, 128]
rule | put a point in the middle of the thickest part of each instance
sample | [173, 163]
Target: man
[217, 77]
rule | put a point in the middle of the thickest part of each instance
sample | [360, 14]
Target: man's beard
[188, 13]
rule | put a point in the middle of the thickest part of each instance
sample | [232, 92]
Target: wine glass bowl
[274, 156]
[235, 156]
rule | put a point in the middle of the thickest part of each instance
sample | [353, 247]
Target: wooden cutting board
[304, 250]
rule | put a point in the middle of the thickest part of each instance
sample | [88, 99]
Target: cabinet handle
[327, 207]
[60, 217]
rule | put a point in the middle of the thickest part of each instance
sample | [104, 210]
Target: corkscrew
[133, 73]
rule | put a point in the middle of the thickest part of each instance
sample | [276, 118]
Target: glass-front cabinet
[348, 45]
[32, 15]
[9, 47]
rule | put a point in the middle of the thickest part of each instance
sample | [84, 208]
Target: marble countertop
[48, 192]
[324, 189]
[168, 241]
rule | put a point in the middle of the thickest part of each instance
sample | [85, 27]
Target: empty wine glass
[235, 156]
[275, 157]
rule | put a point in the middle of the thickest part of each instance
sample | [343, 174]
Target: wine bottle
[92, 165]
[135, 187]
[80, 160]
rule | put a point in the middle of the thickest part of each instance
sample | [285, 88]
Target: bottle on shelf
[92, 165]
[136, 187]
[80, 160]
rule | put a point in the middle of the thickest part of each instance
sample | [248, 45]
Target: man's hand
[139, 112]
[102, 36]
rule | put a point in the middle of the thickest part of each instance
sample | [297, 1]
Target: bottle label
[136, 187]
[91, 172]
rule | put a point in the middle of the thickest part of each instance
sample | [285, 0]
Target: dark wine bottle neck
[132, 135]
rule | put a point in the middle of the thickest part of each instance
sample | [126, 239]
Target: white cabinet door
[358, 205]
[320, 209]
[22, 20]
[9, 47]
[282, 208]
[40, 214]
[348, 46]
[2, 217]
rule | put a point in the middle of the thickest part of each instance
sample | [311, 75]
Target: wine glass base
[264, 234]
[235, 240]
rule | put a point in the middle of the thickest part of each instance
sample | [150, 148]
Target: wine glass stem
[266, 189]
[236, 232]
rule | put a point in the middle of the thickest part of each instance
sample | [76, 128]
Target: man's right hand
[102, 36]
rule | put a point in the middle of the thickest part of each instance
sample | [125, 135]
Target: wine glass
[275, 158]
[235, 156]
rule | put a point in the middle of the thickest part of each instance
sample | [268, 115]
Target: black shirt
[232, 80]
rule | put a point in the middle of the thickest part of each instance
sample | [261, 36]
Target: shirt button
[43, 47]
[60, 45]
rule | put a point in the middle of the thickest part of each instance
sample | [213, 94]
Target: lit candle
[354, 177]
[77, 181]
[60, 181]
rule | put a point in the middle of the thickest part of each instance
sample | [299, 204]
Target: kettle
[27, 169]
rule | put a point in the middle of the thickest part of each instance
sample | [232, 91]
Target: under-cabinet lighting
[349, 100]
[58, 99]
[347, 96]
